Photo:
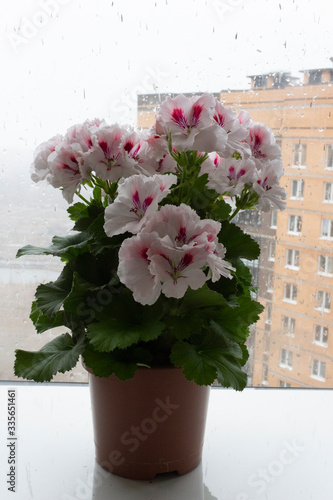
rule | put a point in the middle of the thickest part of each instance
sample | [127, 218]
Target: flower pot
[151, 424]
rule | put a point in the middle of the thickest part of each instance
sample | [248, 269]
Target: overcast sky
[90, 59]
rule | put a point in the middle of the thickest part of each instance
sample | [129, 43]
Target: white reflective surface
[260, 444]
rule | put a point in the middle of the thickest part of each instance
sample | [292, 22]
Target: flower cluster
[172, 247]
[242, 158]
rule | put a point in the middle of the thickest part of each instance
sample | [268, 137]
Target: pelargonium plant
[154, 270]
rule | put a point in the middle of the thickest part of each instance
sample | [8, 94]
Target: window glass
[67, 61]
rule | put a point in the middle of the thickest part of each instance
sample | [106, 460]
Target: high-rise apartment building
[293, 341]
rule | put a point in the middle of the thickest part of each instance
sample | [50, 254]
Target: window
[290, 293]
[323, 301]
[318, 369]
[250, 217]
[286, 358]
[264, 374]
[274, 219]
[292, 258]
[295, 224]
[297, 189]
[268, 313]
[328, 192]
[327, 229]
[329, 157]
[325, 265]
[320, 335]
[270, 283]
[271, 253]
[299, 155]
[282, 383]
[288, 325]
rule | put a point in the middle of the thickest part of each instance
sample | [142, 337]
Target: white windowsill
[290, 301]
[281, 365]
[294, 233]
[317, 377]
[55, 452]
[322, 309]
[321, 344]
[293, 268]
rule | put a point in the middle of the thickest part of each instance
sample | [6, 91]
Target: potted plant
[154, 293]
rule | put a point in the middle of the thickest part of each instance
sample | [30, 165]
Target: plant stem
[82, 198]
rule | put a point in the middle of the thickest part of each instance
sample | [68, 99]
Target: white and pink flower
[236, 130]
[231, 176]
[177, 270]
[138, 197]
[134, 270]
[65, 170]
[266, 185]
[40, 168]
[262, 142]
[104, 156]
[190, 122]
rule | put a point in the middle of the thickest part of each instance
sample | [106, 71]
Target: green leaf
[43, 322]
[77, 211]
[197, 299]
[121, 363]
[238, 243]
[66, 247]
[236, 320]
[183, 326]
[195, 366]
[123, 323]
[50, 297]
[59, 355]
[213, 358]
[220, 210]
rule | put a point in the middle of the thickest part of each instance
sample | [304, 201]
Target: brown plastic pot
[151, 424]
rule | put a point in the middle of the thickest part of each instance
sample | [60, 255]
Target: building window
[270, 283]
[251, 217]
[264, 374]
[290, 293]
[260, 81]
[286, 358]
[268, 314]
[288, 325]
[292, 258]
[327, 229]
[315, 77]
[329, 157]
[283, 383]
[320, 335]
[325, 265]
[274, 219]
[328, 192]
[323, 301]
[318, 369]
[299, 155]
[295, 224]
[271, 254]
[297, 189]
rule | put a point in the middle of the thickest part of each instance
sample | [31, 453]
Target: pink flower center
[139, 209]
